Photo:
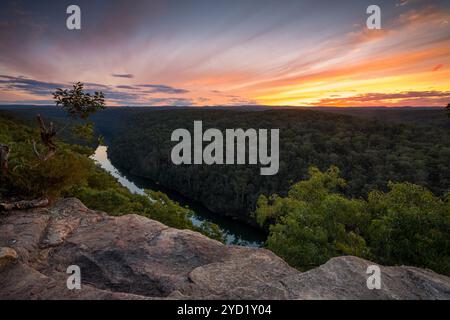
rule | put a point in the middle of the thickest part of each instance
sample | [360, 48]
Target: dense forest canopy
[421, 116]
[369, 154]
[407, 225]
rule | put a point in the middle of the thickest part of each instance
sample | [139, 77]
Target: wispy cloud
[126, 87]
[158, 88]
[177, 102]
[30, 86]
[402, 3]
[398, 98]
[438, 67]
[123, 75]
[117, 95]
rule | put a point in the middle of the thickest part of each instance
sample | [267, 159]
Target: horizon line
[236, 106]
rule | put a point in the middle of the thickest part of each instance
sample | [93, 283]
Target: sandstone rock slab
[132, 257]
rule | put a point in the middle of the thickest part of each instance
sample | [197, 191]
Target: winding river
[235, 231]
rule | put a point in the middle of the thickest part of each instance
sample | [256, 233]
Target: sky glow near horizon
[294, 53]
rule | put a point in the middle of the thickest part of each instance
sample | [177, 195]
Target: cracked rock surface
[133, 257]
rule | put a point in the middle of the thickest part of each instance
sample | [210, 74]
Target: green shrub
[406, 225]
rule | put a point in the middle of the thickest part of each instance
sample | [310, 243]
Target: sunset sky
[227, 52]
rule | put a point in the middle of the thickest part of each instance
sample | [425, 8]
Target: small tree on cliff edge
[79, 105]
[447, 109]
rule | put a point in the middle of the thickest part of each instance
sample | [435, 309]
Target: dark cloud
[153, 88]
[158, 88]
[121, 96]
[96, 86]
[129, 95]
[125, 87]
[28, 85]
[123, 75]
[42, 88]
[156, 102]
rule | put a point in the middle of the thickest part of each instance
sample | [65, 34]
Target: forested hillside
[71, 173]
[369, 154]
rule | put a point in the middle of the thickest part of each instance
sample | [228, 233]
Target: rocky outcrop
[132, 257]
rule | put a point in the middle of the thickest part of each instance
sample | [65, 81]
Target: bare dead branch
[47, 136]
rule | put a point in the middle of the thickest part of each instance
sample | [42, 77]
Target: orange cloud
[438, 67]
[391, 63]
[399, 98]
[429, 15]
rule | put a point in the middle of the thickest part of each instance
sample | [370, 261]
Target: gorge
[235, 231]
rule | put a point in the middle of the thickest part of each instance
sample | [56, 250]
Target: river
[235, 231]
